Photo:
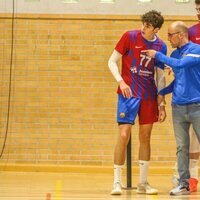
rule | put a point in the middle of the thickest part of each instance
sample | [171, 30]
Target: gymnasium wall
[63, 96]
[125, 7]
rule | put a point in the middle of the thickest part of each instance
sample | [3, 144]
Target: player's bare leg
[144, 158]
[119, 157]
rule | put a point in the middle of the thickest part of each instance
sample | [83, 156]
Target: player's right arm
[113, 66]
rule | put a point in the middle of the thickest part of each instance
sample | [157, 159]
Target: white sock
[144, 166]
[194, 168]
[118, 173]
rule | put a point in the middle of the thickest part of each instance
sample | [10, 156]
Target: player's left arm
[160, 79]
[161, 83]
[160, 73]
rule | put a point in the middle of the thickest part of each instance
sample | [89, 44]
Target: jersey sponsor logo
[197, 38]
[140, 72]
[145, 73]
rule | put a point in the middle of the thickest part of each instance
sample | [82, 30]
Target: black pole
[129, 165]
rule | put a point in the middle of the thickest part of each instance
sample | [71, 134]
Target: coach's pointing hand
[151, 53]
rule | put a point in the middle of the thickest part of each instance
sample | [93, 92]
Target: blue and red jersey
[137, 68]
[194, 33]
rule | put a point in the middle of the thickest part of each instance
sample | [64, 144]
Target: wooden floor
[73, 186]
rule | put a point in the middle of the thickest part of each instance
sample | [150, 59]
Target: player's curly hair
[154, 18]
[197, 1]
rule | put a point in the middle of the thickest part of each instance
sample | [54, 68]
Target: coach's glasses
[171, 34]
[198, 9]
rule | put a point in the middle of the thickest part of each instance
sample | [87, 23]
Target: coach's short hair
[154, 18]
[197, 1]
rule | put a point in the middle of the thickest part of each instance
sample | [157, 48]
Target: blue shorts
[129, 108]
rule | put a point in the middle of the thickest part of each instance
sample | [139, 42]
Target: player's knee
[124, 137]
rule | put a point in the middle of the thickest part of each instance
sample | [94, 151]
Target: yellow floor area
[77, 186]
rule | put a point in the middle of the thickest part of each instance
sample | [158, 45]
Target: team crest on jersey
[122, 115]
[134, 70]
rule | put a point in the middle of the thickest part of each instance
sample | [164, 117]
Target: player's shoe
[193, 182]
[180, 190]
[145, 188]
[117, 189]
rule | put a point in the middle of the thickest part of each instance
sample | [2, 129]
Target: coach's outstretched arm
[185, 62]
